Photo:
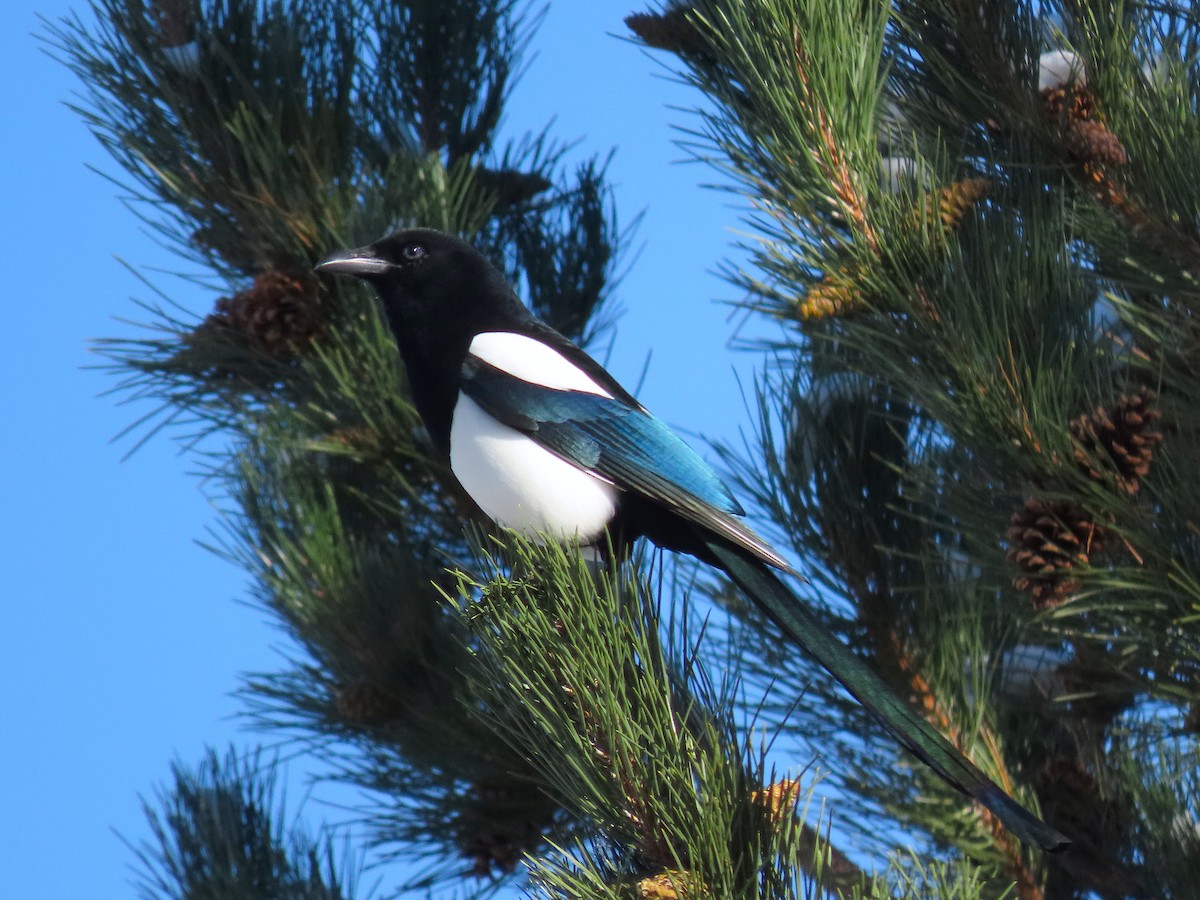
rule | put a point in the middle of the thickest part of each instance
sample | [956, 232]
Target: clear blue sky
[122, 639]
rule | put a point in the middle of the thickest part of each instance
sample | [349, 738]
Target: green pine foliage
[253, 139]
[976, 226]
[218, 836]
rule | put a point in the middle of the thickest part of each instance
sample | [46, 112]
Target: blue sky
[123, 638]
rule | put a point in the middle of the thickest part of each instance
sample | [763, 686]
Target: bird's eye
[413, 251]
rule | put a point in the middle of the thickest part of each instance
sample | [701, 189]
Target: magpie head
[411, 262]
[421, 273]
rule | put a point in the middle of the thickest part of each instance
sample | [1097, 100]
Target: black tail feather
[908, 727]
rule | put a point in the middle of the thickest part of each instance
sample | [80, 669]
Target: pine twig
[894, 655]
[833, 162]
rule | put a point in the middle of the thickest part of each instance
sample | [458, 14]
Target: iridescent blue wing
[619, 442]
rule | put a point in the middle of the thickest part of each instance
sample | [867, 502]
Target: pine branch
[1022, 291]
[218, 832]
[253, 139]
[624, 720]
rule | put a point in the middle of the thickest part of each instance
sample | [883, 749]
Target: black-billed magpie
[547, 443]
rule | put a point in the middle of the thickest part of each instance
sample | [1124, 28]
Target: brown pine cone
[1047, 539]
[176, 21]
[279, 314]
[1117, 441]
[1086, 138]
[834, 295]
[502, 820]
[511, 186]
[675, 30]
[366, 703]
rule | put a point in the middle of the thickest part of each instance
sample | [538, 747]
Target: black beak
[361, 263]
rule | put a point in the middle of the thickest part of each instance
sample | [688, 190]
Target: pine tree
[974, 221]
[973, 227]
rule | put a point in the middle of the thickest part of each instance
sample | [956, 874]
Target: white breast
[523, 486]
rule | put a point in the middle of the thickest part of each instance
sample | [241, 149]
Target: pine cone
[511, 186]
[778, 800]
[366, 703]
[279, 314]
[675, 30]
[502, 820]
[176, 21]
[1071, 800]
[1117, 441]
[1086, 139]
[1092, 142]
[1046, 540]
[956, 200]
[671, 885]
[834, 295]
[1075, 101]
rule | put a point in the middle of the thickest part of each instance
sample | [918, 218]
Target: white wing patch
[522, 485]
[531, 360]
